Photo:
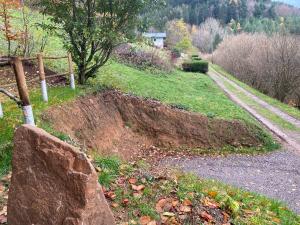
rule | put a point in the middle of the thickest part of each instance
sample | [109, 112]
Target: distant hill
[290, 2]
[197, 11]
[286, 8]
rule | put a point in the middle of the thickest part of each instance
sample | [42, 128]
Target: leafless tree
[270, 64]
[208, 35]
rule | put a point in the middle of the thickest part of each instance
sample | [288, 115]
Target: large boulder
[53, 183]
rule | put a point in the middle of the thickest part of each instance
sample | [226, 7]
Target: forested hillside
[195, 12]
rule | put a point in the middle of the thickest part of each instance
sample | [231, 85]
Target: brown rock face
[53, 183]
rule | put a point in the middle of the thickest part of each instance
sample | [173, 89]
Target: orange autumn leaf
[132, 180]
[144, 220]
[137, 187]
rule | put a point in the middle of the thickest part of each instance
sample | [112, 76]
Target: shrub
[143, 57]
[195, 56]
[176, 53]
[195, 66]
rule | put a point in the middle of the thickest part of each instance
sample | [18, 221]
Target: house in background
[157, 38]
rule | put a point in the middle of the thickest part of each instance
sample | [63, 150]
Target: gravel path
[264, 104]
[276, 175]
[290, 137]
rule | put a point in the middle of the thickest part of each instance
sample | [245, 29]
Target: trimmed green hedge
[195, 66]
[197, 59]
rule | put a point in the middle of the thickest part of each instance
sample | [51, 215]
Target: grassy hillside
[191, 91]
[54, 45]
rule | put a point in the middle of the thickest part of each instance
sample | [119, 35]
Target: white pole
[28, 115]
[42, 77]
[72, 81]
[44, 90]
[1, 111]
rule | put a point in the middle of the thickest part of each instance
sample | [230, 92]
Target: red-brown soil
[115, 123]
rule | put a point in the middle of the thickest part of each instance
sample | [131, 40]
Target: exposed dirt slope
[112, 122]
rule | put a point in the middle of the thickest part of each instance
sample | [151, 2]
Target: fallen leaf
[168, 214]
[125, 201]
[160, 205]
[191, 194]
[185, 208]
[164, 219]
[175, 203]
[115, 205]
[276, 220]
[2, 188]
[132, 180]
[137, 194]
[98, 169]
[212, 194]
[137, 187]
[4, 211]
[111, 195]
[153, 222]
[187, 202]
[144, 220]
[210, 203]
[132, 222]
[3, 219]
[248, 212]
[206, 216]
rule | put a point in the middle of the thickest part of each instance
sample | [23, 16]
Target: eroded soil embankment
[112, 122]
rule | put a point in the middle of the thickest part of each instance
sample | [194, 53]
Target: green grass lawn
[292, 111]
[195, 92]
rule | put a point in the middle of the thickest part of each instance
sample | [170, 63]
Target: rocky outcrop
[53, 183]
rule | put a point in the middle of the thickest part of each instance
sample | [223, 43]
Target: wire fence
[23, 101]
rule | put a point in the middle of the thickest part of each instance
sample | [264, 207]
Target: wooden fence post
[42, 77]
[72, 79]
[23, 91]
[1, 111]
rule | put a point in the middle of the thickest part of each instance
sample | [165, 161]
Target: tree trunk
[81, 74]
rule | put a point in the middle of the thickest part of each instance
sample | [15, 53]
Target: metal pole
[23, 90]
[42, 77]
[72, 79]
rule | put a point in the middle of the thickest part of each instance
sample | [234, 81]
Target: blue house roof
[155, 35]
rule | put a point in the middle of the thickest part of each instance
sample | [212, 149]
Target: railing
[24, 101]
